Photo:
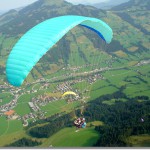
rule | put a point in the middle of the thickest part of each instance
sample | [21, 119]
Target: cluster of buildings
[92, 79]
[143, 62]
[80, 67]
[42, 100]
[8, 106]
[63, 87]
[26, 117]
[33, 106]
[3, 86]
[11, 114]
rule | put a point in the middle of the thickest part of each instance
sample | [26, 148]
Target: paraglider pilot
[80, 123]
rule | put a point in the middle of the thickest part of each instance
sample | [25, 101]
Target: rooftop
[9, 113]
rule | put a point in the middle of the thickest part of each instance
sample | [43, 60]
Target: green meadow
[5, 98]
[68, 137]
[59, 106]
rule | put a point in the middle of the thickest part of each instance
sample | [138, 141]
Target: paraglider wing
[69, 93]
[38, 40]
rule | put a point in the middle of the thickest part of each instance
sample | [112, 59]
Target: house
[11, 114]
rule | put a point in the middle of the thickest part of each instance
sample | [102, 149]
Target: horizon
[15, 4]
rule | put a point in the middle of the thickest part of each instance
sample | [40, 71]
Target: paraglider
[142, 120]
[80, 123]
[37, 41]
[69, 93]
[70, 96]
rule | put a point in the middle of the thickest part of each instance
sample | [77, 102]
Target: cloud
[87, 1]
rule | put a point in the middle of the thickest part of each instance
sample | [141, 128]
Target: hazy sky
[10, 4]
[86, 1]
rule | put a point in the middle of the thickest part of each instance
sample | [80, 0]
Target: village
[36, 103]
[42, 100]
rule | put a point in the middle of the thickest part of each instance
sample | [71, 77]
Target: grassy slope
[67, 137]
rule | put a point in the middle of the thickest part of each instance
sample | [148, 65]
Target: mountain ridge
[45, 9]
[133, 5]
[109, 4]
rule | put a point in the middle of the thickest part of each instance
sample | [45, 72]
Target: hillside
[134, 5]
[109, 4]
[135, 12]
[15, 23]
[40, 11]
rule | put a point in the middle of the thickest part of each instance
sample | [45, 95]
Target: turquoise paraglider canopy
[38, 40]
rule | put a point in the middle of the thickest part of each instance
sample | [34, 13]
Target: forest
[24, 142]
[121, 120]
